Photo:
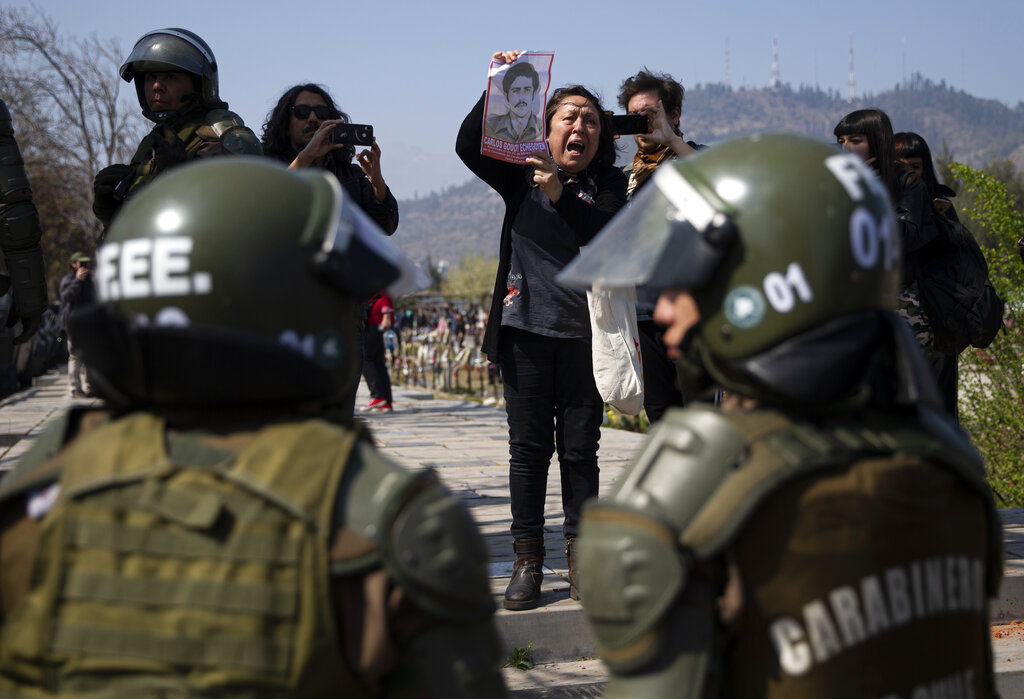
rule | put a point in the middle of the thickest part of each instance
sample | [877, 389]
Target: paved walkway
[467, 444]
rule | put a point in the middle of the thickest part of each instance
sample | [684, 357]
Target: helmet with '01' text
[790, 249]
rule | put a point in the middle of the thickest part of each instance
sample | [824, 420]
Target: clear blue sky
[413, 69]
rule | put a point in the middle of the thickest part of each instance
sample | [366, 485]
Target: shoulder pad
[371, 491]
[35, 467]
[689, 453]
[436, 554]
[235, 137]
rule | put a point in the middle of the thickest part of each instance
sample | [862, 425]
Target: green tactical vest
[820, 522]
[158, 578]
[164, 147]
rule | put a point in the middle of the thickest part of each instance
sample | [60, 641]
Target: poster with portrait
[514, 111]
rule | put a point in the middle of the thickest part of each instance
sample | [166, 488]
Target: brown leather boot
[570, 553]
[523, 591]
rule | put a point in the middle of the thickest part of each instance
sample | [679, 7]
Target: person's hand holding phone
[319, 145]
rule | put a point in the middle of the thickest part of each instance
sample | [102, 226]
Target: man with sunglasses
[177, 83]
[298, 131]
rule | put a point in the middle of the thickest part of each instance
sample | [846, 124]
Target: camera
[629, 124]
[355, 134]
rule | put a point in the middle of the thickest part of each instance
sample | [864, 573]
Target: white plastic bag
[618, 369]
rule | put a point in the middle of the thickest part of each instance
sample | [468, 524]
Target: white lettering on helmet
[871, 241]
[780, 289]
[149, 267]
[854, 175]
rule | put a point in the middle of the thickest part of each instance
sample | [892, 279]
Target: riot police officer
[215, 532]
[829, 532]
[20, 231]
[177, 83]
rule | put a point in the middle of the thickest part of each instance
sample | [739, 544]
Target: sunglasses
[302, 111]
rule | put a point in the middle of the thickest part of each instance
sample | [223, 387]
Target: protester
[867, 133]
[913, 153]
[177, 84]
[298, 131]
[76, 293]
[538, 331]
[216, 532]
[375, 366]
[830, 518]
[659, 97]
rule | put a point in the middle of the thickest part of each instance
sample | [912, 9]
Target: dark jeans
[375, 366]
[661, 391]
[552, 405]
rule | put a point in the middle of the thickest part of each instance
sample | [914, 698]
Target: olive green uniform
[748, 555]
[194, 133]
[284, 560]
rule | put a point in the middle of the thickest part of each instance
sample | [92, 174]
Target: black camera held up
[629, 124]
[354, 134]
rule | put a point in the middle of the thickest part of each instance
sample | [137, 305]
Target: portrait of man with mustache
[520, 124]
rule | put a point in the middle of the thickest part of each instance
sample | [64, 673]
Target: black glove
[107, 198]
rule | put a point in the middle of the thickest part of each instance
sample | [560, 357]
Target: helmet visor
[165, 51]
[669, 235]
[359, 259]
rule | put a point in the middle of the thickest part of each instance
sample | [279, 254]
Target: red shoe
[375, 404]
[383, 407]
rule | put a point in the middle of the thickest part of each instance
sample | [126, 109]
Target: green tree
[472, 278]
[991, 380]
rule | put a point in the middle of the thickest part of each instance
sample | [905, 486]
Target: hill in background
[467, 217]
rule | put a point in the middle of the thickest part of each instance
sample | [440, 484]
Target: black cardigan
[513, 183]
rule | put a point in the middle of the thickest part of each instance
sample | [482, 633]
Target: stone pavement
[467, 445]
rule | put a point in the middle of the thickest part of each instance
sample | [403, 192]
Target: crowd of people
[250, 540]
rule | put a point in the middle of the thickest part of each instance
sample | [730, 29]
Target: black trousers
[661, 390]
[375, 365]
[552, 406]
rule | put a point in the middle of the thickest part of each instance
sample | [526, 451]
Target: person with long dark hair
[867, 133]
[298, 132]
[913, 153]
[538, 332]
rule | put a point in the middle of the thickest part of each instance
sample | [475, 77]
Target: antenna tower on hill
[852, 84]
[728, 80]
[774, 82]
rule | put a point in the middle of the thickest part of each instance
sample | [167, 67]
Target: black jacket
[513, 183]
[357, 185]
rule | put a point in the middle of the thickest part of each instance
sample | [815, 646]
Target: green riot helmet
[171, 50]
[789, 247]
[235, 283]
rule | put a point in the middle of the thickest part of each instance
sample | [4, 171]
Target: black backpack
[962, 306]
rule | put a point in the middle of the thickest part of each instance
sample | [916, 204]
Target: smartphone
[629, 124]
[356, 134]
